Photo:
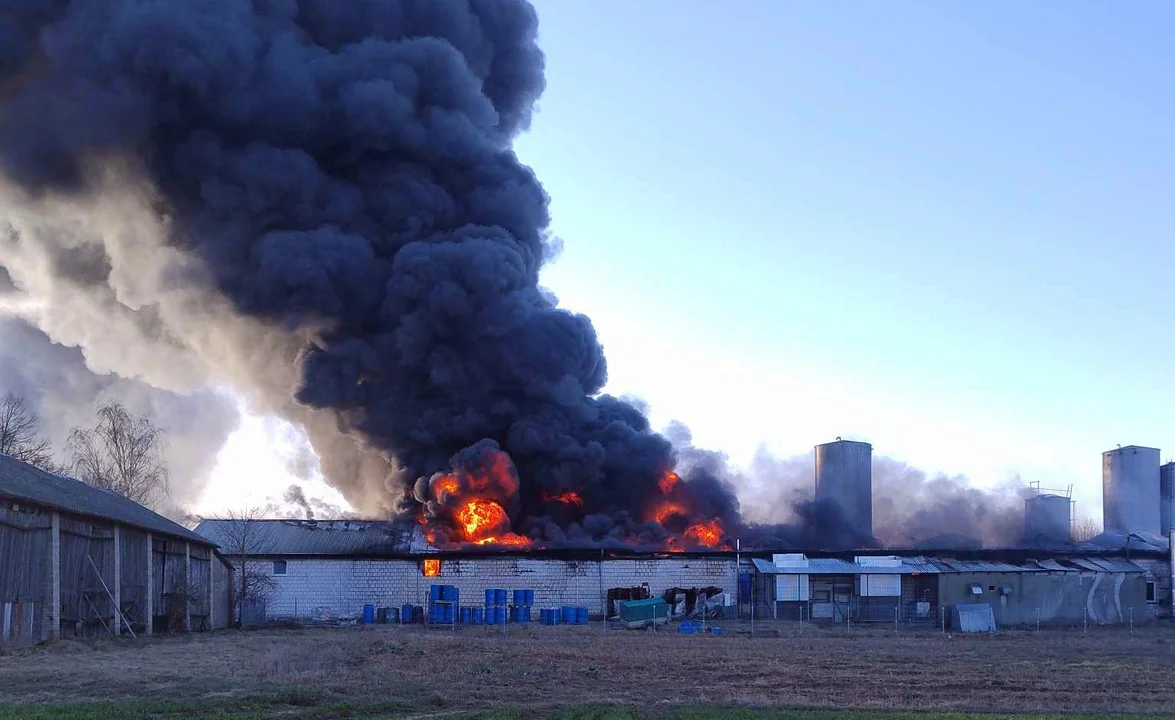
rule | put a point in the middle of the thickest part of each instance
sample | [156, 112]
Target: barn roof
[313, 537]
[21, 481]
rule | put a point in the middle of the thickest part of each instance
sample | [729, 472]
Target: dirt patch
[478, 668]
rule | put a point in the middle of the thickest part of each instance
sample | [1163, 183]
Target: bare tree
[1086, 529]
[20, 436]
[254, 586]
[122, 453]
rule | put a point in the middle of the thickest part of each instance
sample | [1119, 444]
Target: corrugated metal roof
[836, 566]
[1101, 564]
[953, 565]
[22, 481]
[765, 567]
[314, 537]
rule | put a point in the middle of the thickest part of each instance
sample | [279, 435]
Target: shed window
[976, 589]
[1152, 591]
[279, 567]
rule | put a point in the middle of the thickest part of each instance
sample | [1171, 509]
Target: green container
[643, 610]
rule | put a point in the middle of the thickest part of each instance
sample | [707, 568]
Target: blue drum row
[566, 615]
[444, 593]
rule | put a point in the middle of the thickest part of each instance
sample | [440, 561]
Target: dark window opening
[279, 567]
[1152, 591]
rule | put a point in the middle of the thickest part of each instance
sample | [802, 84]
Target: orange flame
[510, 539]
[569, 497]
[668, 481]
[664, 511]
[708, 534]
[432, 567]
[479, 517]
[446, 484]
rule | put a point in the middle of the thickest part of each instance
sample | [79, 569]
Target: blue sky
[941, 227]
[944, 228]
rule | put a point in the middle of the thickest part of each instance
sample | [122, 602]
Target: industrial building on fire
[319, 570]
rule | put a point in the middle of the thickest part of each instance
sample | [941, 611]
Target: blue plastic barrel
[406, 613]
[529, 597]
[581, 615]
[544, 616]
[451, 593]
[490, 595]
[368, 614]
[434, 592]
[567, 615]
[519, 596]
[476, 616]
[501, 614]
[501, 596]
[466, 616]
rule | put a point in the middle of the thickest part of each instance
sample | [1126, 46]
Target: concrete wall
[340, 587]
[1059, 597]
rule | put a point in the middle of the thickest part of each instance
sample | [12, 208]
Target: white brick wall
[344, 586]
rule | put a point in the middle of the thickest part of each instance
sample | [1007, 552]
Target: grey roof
[1105, 564]
[21, 481]
[836, 566]
[978, 566]
[943, 565]
[314, 537]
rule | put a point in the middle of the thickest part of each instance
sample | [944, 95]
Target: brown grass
[476, 668]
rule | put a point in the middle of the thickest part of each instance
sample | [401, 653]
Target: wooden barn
[77, 560]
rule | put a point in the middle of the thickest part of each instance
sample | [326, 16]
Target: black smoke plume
[316, 203]
[323, 210]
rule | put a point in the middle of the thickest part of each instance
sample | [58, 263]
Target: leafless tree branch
[20, 435]
[253, 581]
[1086, 529]
[122, 453]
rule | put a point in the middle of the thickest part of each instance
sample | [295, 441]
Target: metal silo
[1130, 490]
[844, 475]
[1048, 517]
[1167, 497]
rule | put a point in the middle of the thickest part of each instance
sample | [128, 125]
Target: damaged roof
[23, 482]
[312, 537]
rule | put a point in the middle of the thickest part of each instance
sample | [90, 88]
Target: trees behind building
[123, 453]
[20, 434]
[253, 585]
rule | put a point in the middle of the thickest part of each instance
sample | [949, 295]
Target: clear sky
[944, 228]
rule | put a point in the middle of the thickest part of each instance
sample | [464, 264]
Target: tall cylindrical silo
[1047, 517]
[1130, 490]
[1167, 498]
[844, 475]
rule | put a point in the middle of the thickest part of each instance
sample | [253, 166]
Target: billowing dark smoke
[318, 203]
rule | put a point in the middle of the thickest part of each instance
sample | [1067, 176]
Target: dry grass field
[589, 672]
